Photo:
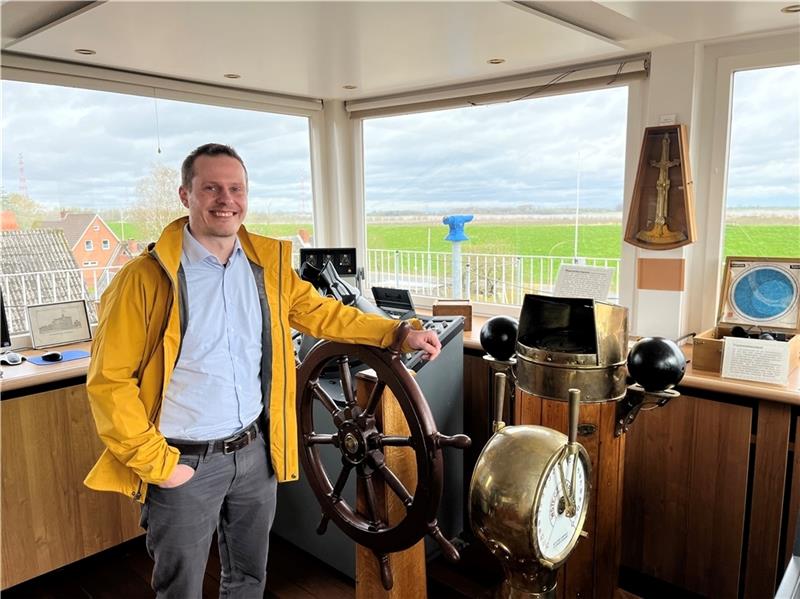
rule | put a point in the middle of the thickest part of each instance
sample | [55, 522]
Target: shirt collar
[194, 252]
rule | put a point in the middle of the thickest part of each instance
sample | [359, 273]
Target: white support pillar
[670, 90]
[338, 176]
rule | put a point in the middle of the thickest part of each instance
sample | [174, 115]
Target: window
[109, 154]
[542, 178]
[763, 183]
[90, 262]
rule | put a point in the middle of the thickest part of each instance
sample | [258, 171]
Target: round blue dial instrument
[764, 293]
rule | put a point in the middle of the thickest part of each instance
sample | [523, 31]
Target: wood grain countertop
[31, 375]
[28, 374]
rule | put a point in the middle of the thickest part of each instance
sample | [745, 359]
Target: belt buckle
[235, 444]
[241, 440]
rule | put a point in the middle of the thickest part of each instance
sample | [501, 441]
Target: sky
[88, 149]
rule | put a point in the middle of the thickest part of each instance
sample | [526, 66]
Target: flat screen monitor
[343, 259]
[5, 338]
[396, 303]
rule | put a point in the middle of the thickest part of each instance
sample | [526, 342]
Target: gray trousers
[234, 494]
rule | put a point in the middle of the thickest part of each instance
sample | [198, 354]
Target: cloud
[88, 148]
[84, 148]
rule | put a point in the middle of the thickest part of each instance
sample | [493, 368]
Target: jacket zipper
[137, 494]
[283, 347]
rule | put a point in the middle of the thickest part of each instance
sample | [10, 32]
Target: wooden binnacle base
[592, 569]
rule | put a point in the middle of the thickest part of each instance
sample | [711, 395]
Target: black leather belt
[229, 445]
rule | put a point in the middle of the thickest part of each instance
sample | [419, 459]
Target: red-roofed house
[8, 221]
[92, 242]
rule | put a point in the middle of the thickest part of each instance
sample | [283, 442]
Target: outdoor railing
[51, 286]
[490, 278]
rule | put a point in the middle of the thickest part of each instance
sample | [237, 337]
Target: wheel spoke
[323, 525]
[347, 381]
[386, 570]
[375, 397]
[315, 439]
[336, 494]
[394, 441]
[372, 500]
[324, 398]
[394, 483]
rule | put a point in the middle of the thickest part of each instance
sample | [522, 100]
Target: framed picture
[59, 323]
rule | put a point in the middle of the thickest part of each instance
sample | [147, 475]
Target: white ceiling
[312, 49]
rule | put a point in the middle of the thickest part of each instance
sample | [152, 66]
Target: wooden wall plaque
[661, 215]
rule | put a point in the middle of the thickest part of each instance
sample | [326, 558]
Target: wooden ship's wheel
[361, 441]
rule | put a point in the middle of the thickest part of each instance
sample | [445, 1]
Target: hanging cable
[158, 133]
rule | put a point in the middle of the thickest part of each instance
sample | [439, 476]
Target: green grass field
[597, 241]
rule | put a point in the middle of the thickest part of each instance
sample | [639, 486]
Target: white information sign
[591, 282]
[755, 360]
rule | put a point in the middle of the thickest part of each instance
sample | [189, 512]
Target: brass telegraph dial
[529, 496]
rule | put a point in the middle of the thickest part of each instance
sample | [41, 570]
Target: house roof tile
[73, 226]
[30, 251]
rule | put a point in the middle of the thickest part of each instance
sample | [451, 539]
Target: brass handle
[499, 399]
[574, 408]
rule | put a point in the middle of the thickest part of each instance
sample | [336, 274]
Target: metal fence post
[469, 280]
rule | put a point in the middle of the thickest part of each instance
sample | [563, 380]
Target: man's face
[217, 201]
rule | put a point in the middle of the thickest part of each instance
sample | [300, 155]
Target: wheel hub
[352, 443]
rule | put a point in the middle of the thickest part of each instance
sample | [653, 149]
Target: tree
[27, 211]
[158, 202]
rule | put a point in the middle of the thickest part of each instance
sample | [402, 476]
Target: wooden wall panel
[49, 518]
[769, 479]
[685, 492]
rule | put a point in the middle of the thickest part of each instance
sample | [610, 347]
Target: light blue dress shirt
[215, 389]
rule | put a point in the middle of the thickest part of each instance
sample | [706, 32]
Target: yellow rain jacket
[138, 341]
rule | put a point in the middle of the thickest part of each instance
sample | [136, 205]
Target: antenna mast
[22, 182]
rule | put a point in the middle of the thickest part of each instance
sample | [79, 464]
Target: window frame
[721, 103]
[626, 278]
[34, 70]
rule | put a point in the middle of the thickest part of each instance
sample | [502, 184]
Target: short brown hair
[187, 169]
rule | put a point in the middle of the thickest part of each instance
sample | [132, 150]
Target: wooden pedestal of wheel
[408, 566]
[592, 569]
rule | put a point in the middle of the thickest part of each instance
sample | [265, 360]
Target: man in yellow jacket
[192, 380]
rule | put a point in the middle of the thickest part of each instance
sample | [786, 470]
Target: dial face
[557, 523]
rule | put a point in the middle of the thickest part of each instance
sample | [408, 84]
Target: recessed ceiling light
[232, 76]
[496, 60]
[85, 51]
[348, 86]
[791, 8]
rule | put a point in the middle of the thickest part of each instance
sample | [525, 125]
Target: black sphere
[656, 363]
[499, 337]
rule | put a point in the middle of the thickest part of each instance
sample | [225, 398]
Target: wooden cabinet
[49, 518]
[705, 503]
